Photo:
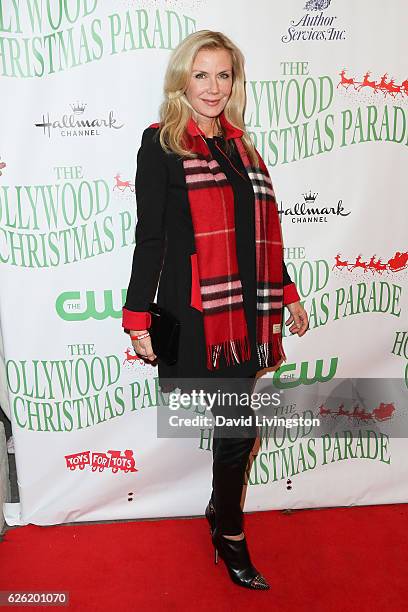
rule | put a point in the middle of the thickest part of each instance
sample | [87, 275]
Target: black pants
[231, 449]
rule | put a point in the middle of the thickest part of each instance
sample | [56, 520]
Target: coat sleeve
[151, 191]
[290, 293]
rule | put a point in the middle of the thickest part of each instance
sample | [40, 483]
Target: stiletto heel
[236, 557]
[210, 516]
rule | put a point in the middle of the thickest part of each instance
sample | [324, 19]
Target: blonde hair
[175, 111]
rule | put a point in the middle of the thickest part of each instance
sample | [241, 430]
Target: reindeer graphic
[376, 266]
[386, 87]
[345, 82]
[339, 263]
[367, 83]
[123, 185]
[129, 358]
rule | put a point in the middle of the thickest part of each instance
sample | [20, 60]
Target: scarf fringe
[235, 351]
[281, 351]
[270, 353]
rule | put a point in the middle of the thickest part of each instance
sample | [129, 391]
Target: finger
[140, 351]
[144, 350]
[289, 321]
[149, 357]
[297, 326]
[303, 324]
[297, 321]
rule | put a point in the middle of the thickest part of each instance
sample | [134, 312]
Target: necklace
[217, 135]
[246, 178]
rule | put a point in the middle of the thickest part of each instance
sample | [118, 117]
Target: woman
[208, 221]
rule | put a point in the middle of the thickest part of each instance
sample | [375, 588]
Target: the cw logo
[304, 378]
[70, 307]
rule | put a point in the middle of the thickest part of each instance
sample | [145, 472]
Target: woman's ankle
[238, 537]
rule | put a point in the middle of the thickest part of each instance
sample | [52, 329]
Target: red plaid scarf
[212, 209]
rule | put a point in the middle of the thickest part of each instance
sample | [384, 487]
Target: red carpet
[340, 559]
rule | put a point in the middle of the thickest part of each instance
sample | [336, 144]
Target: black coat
[165, 241]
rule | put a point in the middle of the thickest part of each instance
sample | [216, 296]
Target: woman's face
[210, 83]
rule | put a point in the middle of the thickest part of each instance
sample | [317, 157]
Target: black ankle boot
[236, 557]
[210, 516]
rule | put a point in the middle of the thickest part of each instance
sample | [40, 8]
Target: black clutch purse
[164, 333]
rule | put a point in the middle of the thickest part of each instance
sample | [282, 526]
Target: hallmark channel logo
[111, 460]
[75, 124]
[311, 211]
[314, 25]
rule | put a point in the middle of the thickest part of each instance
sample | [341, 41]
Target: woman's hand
[298, 318]
[143, 348]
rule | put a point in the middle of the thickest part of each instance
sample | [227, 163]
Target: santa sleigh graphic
[398, 262]
[383, 412]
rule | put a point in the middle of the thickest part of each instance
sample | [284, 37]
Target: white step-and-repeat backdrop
[327, 90]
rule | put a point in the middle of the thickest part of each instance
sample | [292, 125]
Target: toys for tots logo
[112, 460]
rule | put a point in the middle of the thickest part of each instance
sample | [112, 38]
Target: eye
[200, 75]
[224, 75]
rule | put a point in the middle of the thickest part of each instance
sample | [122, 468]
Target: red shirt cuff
[290, 294]
[136, 320]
